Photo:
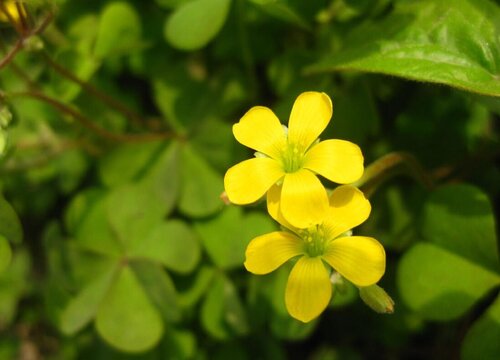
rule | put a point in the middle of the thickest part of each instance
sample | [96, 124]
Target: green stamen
[314, 238]
[292, 158]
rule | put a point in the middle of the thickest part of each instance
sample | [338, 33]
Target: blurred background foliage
[115, 129]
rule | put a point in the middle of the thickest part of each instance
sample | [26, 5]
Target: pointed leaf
[454, 43]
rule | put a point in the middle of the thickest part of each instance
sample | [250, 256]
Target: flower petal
[339, 161]
[304, 201]
[310, 115]
[308, 290]
[274, 208]
[348, 209]
[359, 259]
[261, 130]
[249, 180]
[267, 252]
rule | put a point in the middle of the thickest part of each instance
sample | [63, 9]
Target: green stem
[388, 166]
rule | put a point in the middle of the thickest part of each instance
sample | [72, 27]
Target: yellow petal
[359, 259]
[304, 201]
[261, 130]
[310, 115]
[267, 252]
[308, 290]
[249, 180]
[339, 161]
[273, 207]
[348, 209]
[12, 10]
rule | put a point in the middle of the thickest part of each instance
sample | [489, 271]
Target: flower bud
[376, 298]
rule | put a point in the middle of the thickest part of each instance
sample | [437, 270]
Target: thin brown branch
[89, 124]
[22, 38]
[12, 52]
[115, 104]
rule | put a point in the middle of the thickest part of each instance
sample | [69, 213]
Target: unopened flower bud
[376, 298]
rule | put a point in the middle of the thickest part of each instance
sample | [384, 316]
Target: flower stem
[89, 124]
[389, 165]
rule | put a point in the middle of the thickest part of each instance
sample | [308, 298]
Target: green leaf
[441, 285]
[10, 226]
[162, 179]
[119, 30]
[126, 162]
[481, 342]
[159, 287]
[88, 218]
[170, 4]
[179, 344]
[76, 58]
[194, 24]
[453, 43]
[281, 10]
[171, 243]
[82, 309]
[5, 254]
[460, 218]
[184, 101]
[201, 185]
[14, 283]
[197, 287]
[133, 210]
[225, 237]
[222, 313]
[126, 318]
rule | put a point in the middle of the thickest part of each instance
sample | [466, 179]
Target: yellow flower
[359, 259]
[11, 7]
[292, 157]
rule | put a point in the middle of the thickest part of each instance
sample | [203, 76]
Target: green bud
[376, 298]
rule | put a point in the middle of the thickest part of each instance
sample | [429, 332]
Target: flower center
[314, 238]
[292, 158]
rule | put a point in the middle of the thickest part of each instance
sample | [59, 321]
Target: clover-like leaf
[443, 277]
[172, 243]
[225, 237]
[126, 317]
[195, 23]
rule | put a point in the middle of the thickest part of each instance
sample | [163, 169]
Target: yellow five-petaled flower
[11, 7]
[291, 158]
[318, 249]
